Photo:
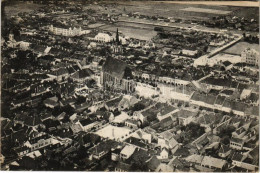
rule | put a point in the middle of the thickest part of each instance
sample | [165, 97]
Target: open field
[132, 32]
[175, 9]
[239, 47]
[113, 132]
[215, 3]
[20, 7]
[205, 10]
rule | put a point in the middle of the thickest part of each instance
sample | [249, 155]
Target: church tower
[117, 37]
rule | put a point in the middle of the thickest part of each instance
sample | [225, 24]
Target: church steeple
[117, 37]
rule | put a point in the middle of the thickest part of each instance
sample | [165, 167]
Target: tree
[227, 132]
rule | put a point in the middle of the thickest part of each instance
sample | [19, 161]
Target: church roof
[115, 67]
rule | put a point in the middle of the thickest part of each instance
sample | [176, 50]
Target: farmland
[20, 7]
[246, 10]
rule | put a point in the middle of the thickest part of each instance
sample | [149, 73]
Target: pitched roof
[194, 158]
[104, 146]
[184, 113]
[128, 150]
[236, 140]
[224, 148]
[213, 162]
[199, 97]
[114, 101]
[123, 166]
[210, 99]
[114, 67]
[252, 110]
[153, 163]
[76, 128]
[137, 142]
[239, 106]
[82, 74]
[220, 100]
[32, 121]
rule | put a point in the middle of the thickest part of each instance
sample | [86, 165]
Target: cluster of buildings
[107, 102]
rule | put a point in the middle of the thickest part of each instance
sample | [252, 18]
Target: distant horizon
[248, 3]
[252, 3]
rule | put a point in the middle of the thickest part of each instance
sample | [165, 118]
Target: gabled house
[102, 149]
[60, 74]
[186, 116]
[164, 154]
[127, 102]
[224, 151]
[122, 167]
[127, 151]
[51, 102]
[153, 164]
[112, 104]
[236, 143]
[82, 76]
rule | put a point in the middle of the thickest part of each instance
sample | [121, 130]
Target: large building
[67, 31]
[250, 56]
[116, 74]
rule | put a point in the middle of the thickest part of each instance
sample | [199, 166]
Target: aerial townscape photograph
[129, 86]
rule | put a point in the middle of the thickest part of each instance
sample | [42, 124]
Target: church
[116, 75]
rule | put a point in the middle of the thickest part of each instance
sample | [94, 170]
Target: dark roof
[237, 156]
[140, 156]
[210, 99]
[227, 92]
[85, 122]
[136, 142]
[123, 166]
[224, 148]
[227, 103]
[220, 100]
[114, 67]
[239, 106]
[114, 102]
[51, 123]
[32, 120]
[255, 153]
[153, 163]
[236, 140]
[104, 146]
[252, 110]
[39, 48]
[226, 63]
[82, 73]
[199, 97]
